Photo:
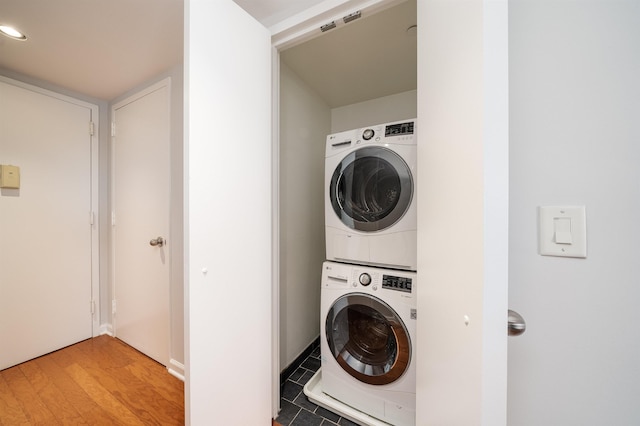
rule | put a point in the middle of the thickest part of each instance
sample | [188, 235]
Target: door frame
[285, 34]
[489, 397]
[165, 82]
[94, 213]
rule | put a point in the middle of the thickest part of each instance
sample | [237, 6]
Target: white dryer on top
[370, 187]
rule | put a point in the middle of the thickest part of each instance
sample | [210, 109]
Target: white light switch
[562, 231]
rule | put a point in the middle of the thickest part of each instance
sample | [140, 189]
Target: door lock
[158, 242]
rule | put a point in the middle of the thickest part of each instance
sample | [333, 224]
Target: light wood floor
[99, 381]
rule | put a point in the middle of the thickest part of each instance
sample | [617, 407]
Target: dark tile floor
[295, 407]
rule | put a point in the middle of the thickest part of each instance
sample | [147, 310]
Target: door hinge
[352, 17]
[326, 27]
[92, 306]
[92, 218]
[113, 128]
[91, 128]
[113, 218]
[113, 307]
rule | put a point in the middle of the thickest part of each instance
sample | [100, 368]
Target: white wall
[395, 107]
[575, 133]
[305, 122]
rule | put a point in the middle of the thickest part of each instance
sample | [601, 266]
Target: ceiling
[368, 58]
[103, 48]
[100, 48]
[270, 12]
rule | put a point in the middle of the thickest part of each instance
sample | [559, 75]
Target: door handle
[516, 325]
[158, 242]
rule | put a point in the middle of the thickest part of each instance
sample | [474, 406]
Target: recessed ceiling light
[12, 32]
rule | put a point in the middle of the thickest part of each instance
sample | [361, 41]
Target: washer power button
[368, 134]
[365, 279]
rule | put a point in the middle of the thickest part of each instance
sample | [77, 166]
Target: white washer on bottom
[367, 329]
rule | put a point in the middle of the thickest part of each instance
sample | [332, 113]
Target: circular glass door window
[371, 189]
[368, 339]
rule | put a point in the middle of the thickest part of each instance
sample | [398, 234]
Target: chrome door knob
[516, 325]
[158, 242]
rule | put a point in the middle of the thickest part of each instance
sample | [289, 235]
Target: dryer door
[371, 189]
[368, 339]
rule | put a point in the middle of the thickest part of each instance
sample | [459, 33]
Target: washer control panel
[398, 129]
[378, 279]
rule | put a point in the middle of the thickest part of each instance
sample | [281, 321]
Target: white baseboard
[106, 329]
[176, 369]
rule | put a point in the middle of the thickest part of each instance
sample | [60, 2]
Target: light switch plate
[562, 231]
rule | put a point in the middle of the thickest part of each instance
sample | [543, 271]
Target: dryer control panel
[396, 283]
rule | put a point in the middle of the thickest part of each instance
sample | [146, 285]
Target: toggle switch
[562, 231]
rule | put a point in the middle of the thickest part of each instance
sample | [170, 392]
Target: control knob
[365, 279]
[367, 134]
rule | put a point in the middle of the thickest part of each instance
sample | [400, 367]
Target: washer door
[371, 189]
[368, 339]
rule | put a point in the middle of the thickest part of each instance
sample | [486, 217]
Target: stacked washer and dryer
[368, 294]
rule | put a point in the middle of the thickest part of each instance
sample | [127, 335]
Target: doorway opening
[361, 73]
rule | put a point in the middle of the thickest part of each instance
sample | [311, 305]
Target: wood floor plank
[50, 395]
[152, 372]
[100, 381]
[12, 412]
[164, 394]
[171, 389]
[104, 350]
[137, 395]
[102, 396]
[35, 410]
[90, 411]
[62, 357]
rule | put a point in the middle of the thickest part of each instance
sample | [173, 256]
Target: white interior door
[229, 216]
[141, 191]
[574, 141]
[45, 225]
[463, 159]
